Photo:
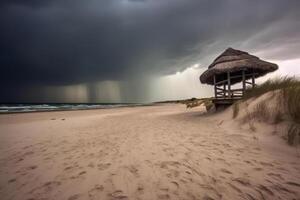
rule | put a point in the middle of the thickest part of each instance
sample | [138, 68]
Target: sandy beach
[151, 152]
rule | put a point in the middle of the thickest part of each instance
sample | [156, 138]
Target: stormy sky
[134, 50]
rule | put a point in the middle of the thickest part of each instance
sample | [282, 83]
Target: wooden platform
[222, 103]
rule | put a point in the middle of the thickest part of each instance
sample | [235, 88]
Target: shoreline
[65, 110]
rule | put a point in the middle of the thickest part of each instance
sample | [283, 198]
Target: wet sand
[154, 152]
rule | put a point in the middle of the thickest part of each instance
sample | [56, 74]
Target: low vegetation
[284, 83]
[292, 95]
[292, 98]
[259, 112]
[284, 92]
[194, 102]
[207, 102]
[287, 108]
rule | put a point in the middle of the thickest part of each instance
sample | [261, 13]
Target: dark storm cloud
[61, 42]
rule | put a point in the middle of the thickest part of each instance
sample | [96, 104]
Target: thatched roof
[232, 60]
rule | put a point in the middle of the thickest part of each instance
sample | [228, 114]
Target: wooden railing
[223, 87]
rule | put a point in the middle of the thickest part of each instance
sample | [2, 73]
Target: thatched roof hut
[235, 61]
[234, 66]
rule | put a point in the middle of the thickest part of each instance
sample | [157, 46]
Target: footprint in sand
[74, 197]
[206, 197]
[265, 189]
[118, 194]
[220, 159]
[188, 172]
[276, 175]
[183, 181]
[235, 188]
[250, 196]
[208, 158]
[27, 153]
[50, 185]
[26, 147]
[81, 173]
[68, 168]
[31, 167]
[94, 192]
[258, 169]
[166, 164]
[12, 180]
[175, 184]
[91, 165]
[140, 189]
[266, 164]
[103, 166]
[225, 171]
[293, 184]
[148, 162]
[19, 160]
[47, 158]
[282, 169]
[242, 181]
[248, 162]
[133, 170]
[163, 196]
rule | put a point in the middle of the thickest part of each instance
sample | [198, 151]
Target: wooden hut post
[253, 78]
[244, 81]
[215, 86]
[229, 84]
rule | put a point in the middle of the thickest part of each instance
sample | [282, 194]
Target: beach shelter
[232, 67]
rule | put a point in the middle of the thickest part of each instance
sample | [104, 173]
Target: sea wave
[16, 108]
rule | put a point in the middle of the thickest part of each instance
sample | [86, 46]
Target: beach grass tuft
[261, 111]
[191, 103]
[292, 95]
[293, 136]
[292, 101]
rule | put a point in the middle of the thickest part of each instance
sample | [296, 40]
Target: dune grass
[272, 85]
[290, 86]
[292, 95]
[293, 134]
[290, 89]
[288, 104]
[261, 111]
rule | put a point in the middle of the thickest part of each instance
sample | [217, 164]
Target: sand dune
[155, 152]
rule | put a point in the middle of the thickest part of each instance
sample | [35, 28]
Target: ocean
[38, 107]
